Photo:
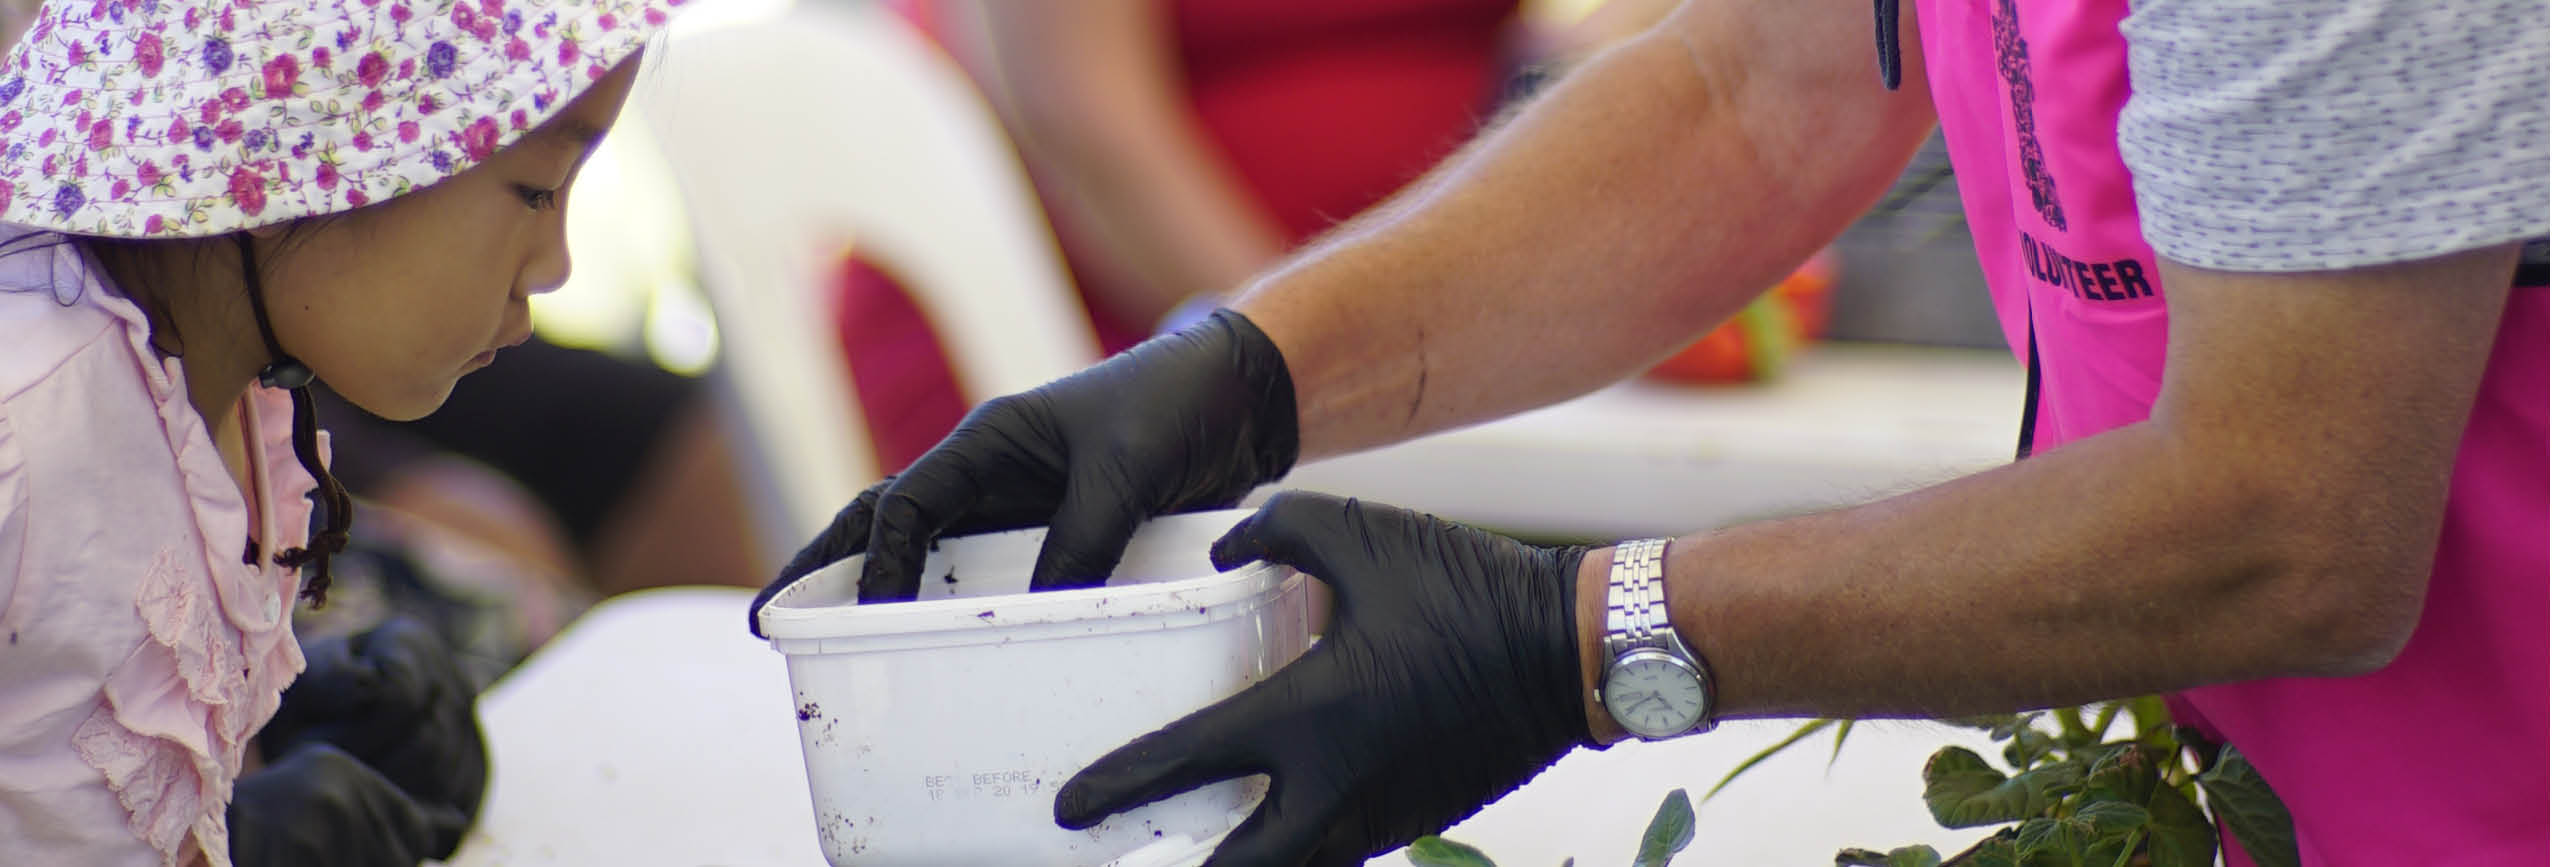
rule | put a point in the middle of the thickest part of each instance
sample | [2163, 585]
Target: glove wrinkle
[1452, 677]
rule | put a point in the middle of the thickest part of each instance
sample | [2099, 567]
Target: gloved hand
[395, 699]
[1451, 676]
[319, 805]
[1188, 420]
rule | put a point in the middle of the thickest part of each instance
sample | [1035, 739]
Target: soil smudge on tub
[808, 711]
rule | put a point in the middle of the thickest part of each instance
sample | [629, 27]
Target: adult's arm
[1642, 199]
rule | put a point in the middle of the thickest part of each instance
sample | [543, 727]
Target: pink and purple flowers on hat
[170, 118]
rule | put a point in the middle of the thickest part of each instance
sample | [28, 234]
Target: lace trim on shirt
[173, 776]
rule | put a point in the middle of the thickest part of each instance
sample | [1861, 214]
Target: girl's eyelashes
[538, 198]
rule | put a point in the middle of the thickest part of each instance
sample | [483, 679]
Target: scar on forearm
[1421, 379]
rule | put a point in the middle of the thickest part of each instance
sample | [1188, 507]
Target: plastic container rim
[784, 621]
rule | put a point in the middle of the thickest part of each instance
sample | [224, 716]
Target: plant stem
[2151, 721]
[2075, 732]
[1805, 731]
[2130, 844]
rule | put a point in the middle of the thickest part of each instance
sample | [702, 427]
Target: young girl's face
[391, 303]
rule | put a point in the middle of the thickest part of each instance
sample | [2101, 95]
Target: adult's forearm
[1640, 201]
[2121, 565]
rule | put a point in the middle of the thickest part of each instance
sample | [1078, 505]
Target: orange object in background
[1755, 343]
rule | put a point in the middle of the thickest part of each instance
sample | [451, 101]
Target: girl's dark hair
[123, 262]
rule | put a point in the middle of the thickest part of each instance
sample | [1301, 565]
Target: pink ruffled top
[138, 654]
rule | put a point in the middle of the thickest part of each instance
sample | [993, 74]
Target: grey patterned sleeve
[2301, 135]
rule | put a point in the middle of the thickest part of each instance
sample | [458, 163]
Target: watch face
[1654, 696]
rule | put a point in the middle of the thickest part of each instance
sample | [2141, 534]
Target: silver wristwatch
[1654, 686]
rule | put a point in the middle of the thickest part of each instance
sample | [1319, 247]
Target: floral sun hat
[181, 118]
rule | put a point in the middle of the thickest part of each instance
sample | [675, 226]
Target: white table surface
[655, 733]
[1846, 424]
[651, 731]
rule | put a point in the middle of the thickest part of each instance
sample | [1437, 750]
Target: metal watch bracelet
[1638, 616]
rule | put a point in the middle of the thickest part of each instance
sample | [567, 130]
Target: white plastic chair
[798, 133]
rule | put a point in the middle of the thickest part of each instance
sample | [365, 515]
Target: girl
[209, 204]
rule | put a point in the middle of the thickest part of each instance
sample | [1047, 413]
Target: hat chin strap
[282, 370]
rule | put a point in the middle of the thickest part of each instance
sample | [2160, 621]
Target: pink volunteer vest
[2440, 758]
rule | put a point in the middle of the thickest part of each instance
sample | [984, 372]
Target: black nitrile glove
[319, 805]
[1450, 677]
[1188, 420]
[394, 698]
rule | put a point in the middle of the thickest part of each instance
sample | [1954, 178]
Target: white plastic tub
[939, 731]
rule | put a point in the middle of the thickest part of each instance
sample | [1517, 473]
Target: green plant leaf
[1963, 791]
[1433, 850]
[2044, 834]
[1953, 775]
[1673, 826]
[1839, 741]
[1907, 856]
[1997, 850]
[1801, 732]
[2027, 748]
[1995, 723]
[2256, 816]
[2111, 818]
[2125, 774]
[2180, 836]
[2065, 776]
[2097, 833]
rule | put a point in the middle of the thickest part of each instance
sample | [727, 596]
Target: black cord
[285, 372]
